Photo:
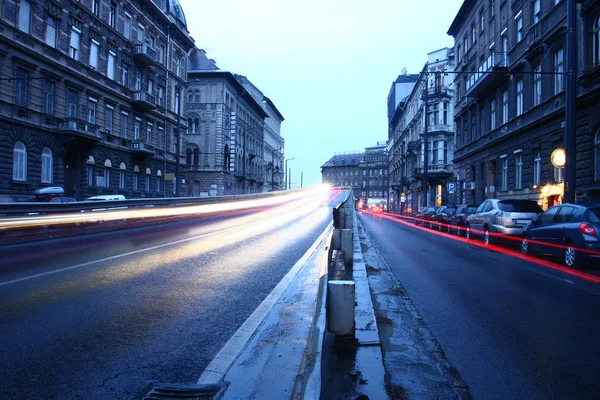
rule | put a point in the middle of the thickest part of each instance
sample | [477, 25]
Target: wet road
[514, 329]
[107, 316]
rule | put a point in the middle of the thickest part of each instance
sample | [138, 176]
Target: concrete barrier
[340, 307]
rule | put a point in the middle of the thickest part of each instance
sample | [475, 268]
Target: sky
[327, 65]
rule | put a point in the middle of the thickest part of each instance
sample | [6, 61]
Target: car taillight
[587, 229]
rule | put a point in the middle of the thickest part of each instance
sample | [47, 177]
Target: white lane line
[85, 264]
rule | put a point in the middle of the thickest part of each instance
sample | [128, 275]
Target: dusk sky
[328, 65]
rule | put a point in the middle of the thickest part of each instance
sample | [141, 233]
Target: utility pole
[571, 95]
[425, 134]
[244, 163]
[287, 175]
[290, 179]
[178, 141]
[301, 180]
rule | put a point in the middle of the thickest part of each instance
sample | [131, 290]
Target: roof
[460, 16]
[270, 103]
[197, 61]
[407, 78]
[175, 8]
[344, 160]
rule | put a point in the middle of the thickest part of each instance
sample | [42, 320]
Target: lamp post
[286, 172]
[425, 138]
[178, 141]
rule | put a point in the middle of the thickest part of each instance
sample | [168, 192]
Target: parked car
[61, 199]
[48, 193]
[441, 218]
[107, 197]
[423, 217]
[458, 220]
[506, 216]
[570, 231]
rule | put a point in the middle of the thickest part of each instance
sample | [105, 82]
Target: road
[513, 328]
[106, 316]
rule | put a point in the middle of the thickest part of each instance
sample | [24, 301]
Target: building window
[176, 102]
[536, 11]
[48, 93]
[161, 138]
[445, 113]
[24, 16]
[122, 176]
[149, 133]
[493, 114]
[74, 44]
[92, 111]
[112, 14]
[537, 169]
[108, 118]
[597, 156]
[47, 165]
[177, 67]
[141, 33]
[519, 25]
[148, 175]
[196, 157]
[96, 7]
[537, 86]
[190, 96]
[94, 54]
[19, 162]
[138, 80]
[482, 20]
[482, 126]
[124, 119]
[197, 96]
[137, 127]
[558, 71]
[473, 34]
[161, 53]
[505, 107]
[188, 156]
[518, 171]
[473, 126]
[520, 97]
[51, 31]
[72, 101]
[127, 27]
[136, 178]
[161, 96]
[125, 76]
[596, 40]
[110, 68]
[492, 8]
[107, 173]
[504, 183]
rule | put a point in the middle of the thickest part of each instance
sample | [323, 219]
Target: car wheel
[467, 232]
[524, 246]
[571, 258]
[486, 236]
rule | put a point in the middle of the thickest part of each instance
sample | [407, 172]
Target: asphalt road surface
[513, 328]
[107, 316]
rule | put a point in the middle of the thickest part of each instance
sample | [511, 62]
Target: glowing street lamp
[559, 158]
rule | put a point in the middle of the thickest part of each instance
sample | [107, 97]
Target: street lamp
[286, 173]
[178, 139]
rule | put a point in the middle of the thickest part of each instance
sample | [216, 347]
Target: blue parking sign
[451, 186]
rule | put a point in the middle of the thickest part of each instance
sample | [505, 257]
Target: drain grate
[184, 392]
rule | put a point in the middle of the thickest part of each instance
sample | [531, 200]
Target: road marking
[85, 264]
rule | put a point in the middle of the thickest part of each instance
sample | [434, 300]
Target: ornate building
[343, 169]
[407, 135]
[90, 95]
[234, 144]
[510, 99]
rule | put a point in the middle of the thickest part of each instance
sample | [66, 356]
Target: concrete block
[340, 307]
[347, 245]
[336, 239]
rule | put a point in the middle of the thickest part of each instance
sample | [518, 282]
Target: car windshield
[594, 215]
[471, 210]
[450, 210]
[525, 206]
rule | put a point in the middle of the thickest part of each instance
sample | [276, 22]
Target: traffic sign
[451, 187]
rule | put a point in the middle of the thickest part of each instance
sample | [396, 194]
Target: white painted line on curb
[225, 358]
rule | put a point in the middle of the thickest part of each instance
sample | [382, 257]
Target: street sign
[451, 187]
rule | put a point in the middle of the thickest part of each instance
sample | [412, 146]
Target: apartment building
[510, 99]
[90, 95]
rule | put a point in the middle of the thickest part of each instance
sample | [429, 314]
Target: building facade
[344, 169]
[433, 90]
[225, 144]
[90, 96]
[374, 173]
[510, 99]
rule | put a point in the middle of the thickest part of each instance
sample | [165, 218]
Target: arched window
[188, 156]
[136, 178]
[19, 162]
[226, 157]
[190, 125]
[148, 175]
[196, 157]
[596, 48]
[107, 173]
[122, 175]
[197, 96]
[190, 96]
[597, 155]
[197, 125]
[47, 166]
[90, 170]
[159, 185]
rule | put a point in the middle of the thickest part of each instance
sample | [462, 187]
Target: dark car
[63, 200]
[441, 218]
[458, 220]
[423, 217]
[570, 231]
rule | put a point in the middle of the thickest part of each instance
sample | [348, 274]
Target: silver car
[506, 217]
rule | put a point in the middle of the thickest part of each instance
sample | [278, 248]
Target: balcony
[439, 92]
[79, 128]
[144, 54]
[142, 148]
[440, 128]
[488, 74]
[435, 171]
[143, 101]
